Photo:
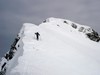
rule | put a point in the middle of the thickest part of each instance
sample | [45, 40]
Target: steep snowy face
[55, 47]
[72, 26]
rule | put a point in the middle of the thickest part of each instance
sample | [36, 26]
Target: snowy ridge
[72, 26]
[62, 49]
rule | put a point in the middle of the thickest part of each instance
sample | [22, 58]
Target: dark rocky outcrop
[66, 22]
[81, 29]
[3, 72]
[93, 36]
[44, 21]
[90, 33]
[8, 56]
[74, 25]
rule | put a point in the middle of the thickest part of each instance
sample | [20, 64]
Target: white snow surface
[61, 50]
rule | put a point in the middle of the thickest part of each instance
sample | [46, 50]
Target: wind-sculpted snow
[63, 48]
[88, 31]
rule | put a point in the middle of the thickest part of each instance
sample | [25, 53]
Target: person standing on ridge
[37, 35]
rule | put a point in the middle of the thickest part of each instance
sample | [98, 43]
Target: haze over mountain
[64, 48]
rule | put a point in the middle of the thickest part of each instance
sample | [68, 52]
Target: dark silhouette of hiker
[37, 35]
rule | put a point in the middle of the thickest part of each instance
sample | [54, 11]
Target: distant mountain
[55, 47]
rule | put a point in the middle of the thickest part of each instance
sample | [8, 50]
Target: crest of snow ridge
[88, 31]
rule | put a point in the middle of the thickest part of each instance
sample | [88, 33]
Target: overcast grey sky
[13, 13]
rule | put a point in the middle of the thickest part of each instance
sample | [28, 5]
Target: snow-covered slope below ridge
[62, 49]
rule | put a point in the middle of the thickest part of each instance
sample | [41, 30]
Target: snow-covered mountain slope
[63, 48]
